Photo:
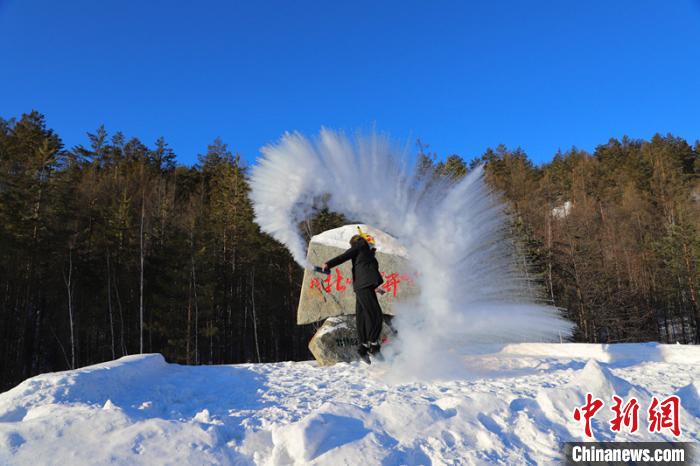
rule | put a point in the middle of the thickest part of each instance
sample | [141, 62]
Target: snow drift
[140, 410]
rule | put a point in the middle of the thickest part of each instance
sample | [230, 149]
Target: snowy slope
[512, 405]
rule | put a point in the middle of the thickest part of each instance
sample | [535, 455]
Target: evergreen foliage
[96, 236]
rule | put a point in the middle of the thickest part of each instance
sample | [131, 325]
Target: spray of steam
[456, 234]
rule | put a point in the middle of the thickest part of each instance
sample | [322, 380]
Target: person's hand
[324, 267]
[380, 290]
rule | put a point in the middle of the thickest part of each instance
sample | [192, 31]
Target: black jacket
[365, 268]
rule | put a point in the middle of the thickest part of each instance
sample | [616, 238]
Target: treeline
[613, 236]
[112, 248]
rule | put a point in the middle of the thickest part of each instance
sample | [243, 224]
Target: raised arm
[347, 255]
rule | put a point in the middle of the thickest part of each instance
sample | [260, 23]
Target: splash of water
[455, 231]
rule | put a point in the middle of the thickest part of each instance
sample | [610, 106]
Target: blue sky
[461, 76]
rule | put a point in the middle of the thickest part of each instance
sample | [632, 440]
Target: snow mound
[98, 384]
[318, 433]
[340, 238]
[690, 398]
[515, 408]
[558, 404]
[598, 379]
[614, 354]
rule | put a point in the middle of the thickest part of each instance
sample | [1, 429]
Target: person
[366, 280]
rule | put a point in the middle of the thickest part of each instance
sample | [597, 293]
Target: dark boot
[363, 351]
[375, 350]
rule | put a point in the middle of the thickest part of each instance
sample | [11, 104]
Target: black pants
[368, 313]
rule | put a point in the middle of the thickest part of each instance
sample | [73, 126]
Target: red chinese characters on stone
[391, 282]
[337, 282]
[589, 409]
[627, 415]
[664, 415]
[330, 281]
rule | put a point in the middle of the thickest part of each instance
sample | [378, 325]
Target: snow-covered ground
[512, 405]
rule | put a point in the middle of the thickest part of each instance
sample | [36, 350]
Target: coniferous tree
[111, 248]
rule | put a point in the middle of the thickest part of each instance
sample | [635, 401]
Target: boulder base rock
[336, 340]
[324, 296]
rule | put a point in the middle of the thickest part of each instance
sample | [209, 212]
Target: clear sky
[461, 76]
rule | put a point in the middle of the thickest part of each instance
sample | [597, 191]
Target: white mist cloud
[454, 231]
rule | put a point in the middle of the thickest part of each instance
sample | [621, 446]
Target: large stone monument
[325, 296]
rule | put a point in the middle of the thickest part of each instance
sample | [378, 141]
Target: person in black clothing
[365, 282]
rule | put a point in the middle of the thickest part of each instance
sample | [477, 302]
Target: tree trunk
[583, 321]
[210, 328]
[188, 338]
[121, 317]
[550, 282]
[691, 290]
[252, 302]
[69, 284]
[196, 314]
[143, 215]
[109, 306]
